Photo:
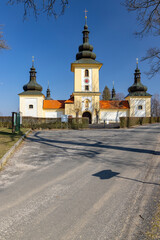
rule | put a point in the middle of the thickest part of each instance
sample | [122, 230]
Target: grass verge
[154, 232]
[8, 139]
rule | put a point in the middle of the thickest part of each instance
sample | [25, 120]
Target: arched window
[86, 87]
[86, 73]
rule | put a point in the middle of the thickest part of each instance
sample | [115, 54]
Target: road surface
[93, 184]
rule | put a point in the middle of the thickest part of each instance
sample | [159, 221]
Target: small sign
[20, 118]
[14, 119]
[64, 118]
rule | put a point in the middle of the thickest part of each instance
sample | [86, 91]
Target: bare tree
[50, 7]
[155, 105]
[148, 16]
[3, 44]
[77, 107]
[119, 96]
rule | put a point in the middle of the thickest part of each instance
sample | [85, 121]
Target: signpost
[16, 121]
[64, 119]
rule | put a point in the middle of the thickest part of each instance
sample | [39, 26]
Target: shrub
[133, 121]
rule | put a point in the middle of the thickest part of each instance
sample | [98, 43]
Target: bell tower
[86, 79]
[31, 100]
[139, 99]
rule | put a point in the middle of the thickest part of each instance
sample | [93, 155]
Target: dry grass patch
[154, 232]
[8, 139]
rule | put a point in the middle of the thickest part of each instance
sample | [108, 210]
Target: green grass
[7, 139]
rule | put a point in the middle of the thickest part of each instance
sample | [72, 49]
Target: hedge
[133, 121]
[46, 123]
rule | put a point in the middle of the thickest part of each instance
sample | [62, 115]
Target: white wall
[140, 112]
[30, 112]
[53, 114]
[112, 116]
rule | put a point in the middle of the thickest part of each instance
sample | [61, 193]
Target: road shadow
[107, 174]
[94, 145]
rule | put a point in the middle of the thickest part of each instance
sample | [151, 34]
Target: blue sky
[54, 43]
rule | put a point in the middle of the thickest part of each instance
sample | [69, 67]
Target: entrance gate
[88, 115]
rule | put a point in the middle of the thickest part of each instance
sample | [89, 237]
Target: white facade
[140, 108]
[30, 107]
[53, 114]
[112, 115]
[86, 78]
[84, 106]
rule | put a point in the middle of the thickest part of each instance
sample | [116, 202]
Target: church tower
[86, 80]
[139, 99]
[31, 100]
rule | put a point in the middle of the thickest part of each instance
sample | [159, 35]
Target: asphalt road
[87, 185]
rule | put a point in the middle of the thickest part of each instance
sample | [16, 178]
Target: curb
[4, 159]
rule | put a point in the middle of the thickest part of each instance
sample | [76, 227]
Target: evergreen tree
[106, 95]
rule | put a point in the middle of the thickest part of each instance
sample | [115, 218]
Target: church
[85, 100]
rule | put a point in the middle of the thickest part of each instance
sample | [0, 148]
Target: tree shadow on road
[95, 145]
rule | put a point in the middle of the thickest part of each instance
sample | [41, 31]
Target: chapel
[85, 99]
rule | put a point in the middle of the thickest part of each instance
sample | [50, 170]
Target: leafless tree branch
[148, 14]
[51, 7]
[3, 44]
[155, 105]
[153, 56]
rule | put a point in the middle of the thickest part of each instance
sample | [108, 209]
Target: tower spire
[137, 89]
[32, 85]
[33, 61]
[85, 16]
[137, 63]
[48, 93]
[113, 92]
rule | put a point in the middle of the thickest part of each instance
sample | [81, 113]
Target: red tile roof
[53, 104]
[114, 104]
[70, 100]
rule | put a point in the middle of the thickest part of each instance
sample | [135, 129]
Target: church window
[30, 106]
[86, 87]
[86, 73]
[140, 107]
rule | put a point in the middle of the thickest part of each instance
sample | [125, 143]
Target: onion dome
[85, 50]
[48, 94]
[138, 89]
[32, 85]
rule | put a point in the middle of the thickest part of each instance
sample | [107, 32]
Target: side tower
[139, 99]
[86, 80]
[31, 100]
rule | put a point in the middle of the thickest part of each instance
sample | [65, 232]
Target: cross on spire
[86, 16]
[32, 61]
[137, 62]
